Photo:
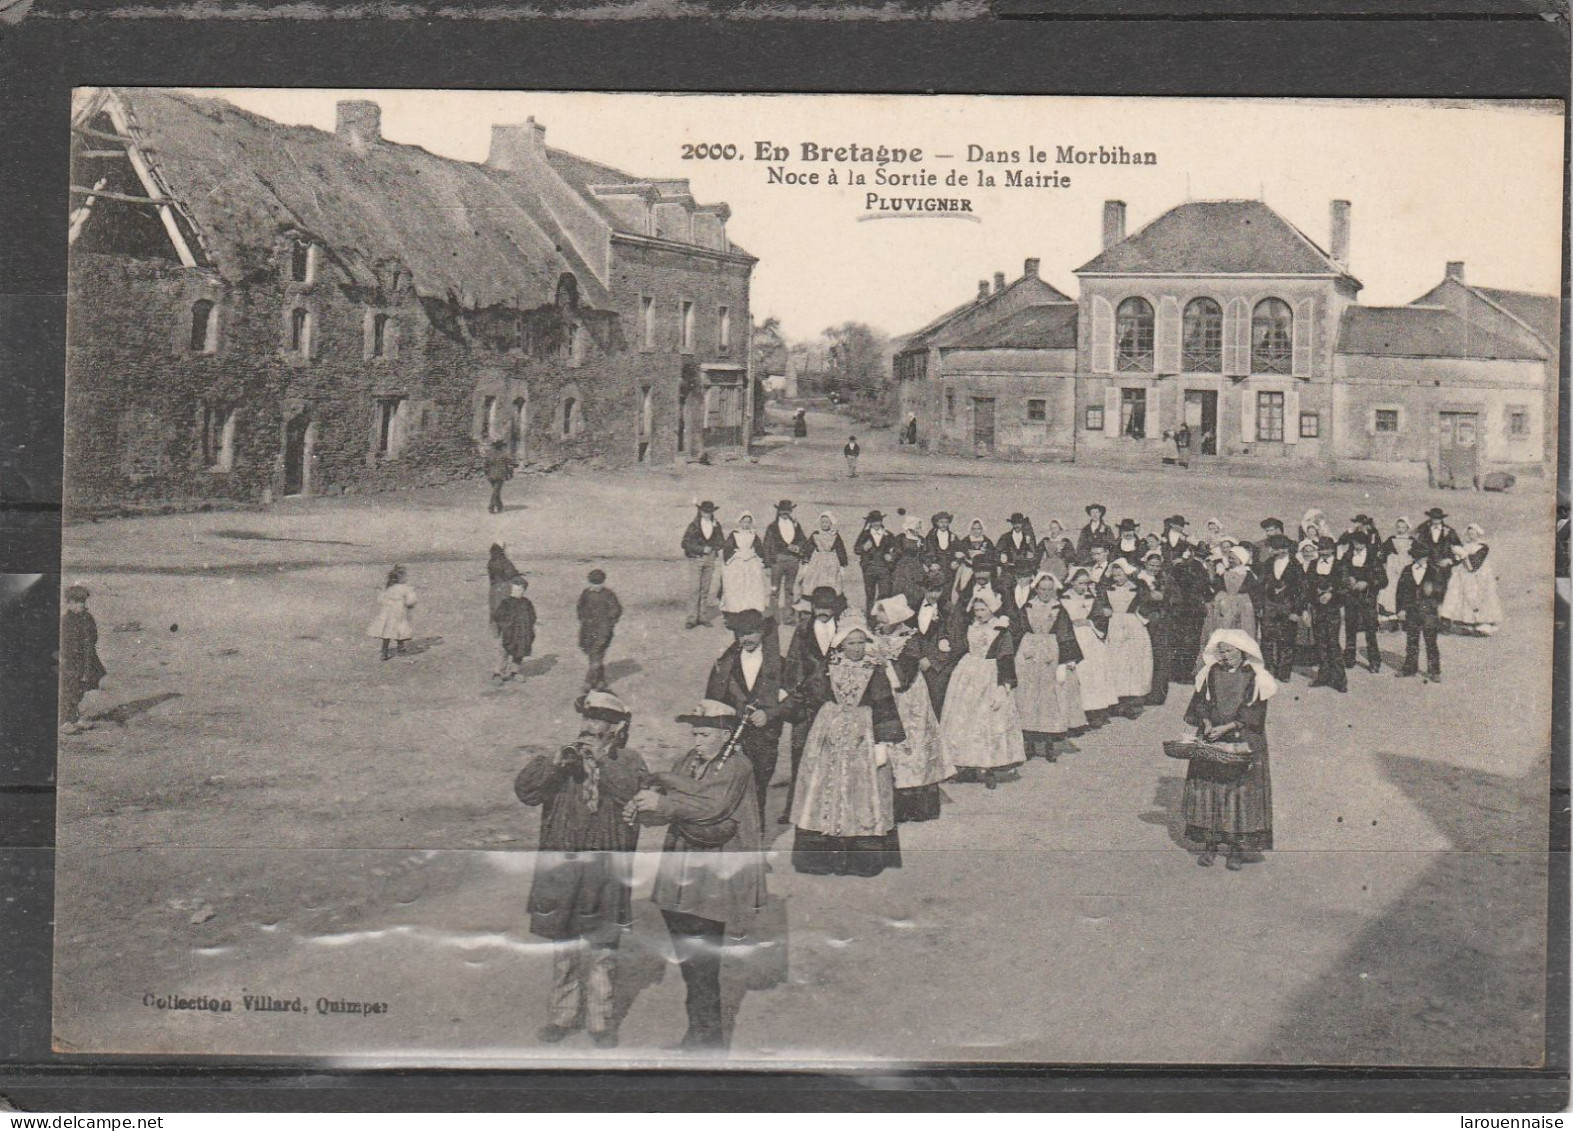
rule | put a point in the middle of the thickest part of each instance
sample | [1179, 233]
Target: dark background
[1331, 48]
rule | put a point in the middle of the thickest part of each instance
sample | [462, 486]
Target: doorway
[1458, 455]
[682, 421]
[518, 428]
[983, 425]
[1201, 417]
[300, 436]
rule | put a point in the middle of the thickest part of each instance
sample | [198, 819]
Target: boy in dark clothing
[80, 669]
[599, 612]
[514, 619]
[1418, 600]
[499, 469]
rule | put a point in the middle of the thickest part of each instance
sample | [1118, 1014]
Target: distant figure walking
[80, 668]
[852, 451]
[599, 611]
[800, 424]
[392, 623]
[499, 469]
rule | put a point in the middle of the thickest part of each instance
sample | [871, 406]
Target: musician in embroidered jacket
[705, 890]
[579, 898]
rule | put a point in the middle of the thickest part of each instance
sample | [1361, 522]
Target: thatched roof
[462, 232]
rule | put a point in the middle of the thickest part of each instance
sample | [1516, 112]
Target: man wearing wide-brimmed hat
[1439, 540]
[1280, 587]
[876, 549]
[1018, 545]
[711, 877]
[786, 548]
[702, 543]
[748, 677]
[584, 863]
[1096, 532]
[1325, 586]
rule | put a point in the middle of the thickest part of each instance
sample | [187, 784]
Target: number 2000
[705, 151]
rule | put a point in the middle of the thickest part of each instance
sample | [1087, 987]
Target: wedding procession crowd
[964, 657]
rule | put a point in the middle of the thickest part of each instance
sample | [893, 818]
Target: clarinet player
[711, 878]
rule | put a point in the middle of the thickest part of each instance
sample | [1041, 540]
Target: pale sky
[1478, 182]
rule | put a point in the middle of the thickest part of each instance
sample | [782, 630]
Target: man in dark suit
[1173, 538]
[1263, 553]
[1095, 532]
[748, 677]
[936, 626]
[1439, 540]
[1324, 600]
[1365, 577]
[807, 655]
[1281, 585]
[941, 544]
[1417, 601]
[786, 547]
[876, 549]
[1018, 545]
[702, 543]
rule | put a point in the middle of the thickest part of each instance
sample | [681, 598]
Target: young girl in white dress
[981, 727]
[827, 560]
[1098, 692]
[743, 581]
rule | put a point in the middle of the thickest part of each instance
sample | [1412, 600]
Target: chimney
[1113, 223]
[1338, 233]
[1455, 270]
[999, 281]
[1029, 269]
[983, 289]
[359, 123]
[515, 146]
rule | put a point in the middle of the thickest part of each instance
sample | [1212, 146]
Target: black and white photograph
[623, 580]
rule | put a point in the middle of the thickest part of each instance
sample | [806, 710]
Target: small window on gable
[204, 327]
[1385, 420]
[303, 261]
[950, 406]
[300, 331]
[1037, 410]
[1517, 422]
[1092, 419]
[378, 332]
[1310, 426]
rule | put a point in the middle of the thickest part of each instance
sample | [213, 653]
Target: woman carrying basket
[1228, 790]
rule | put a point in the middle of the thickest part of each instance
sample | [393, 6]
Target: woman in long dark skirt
[1223, 806]
[1153, 574]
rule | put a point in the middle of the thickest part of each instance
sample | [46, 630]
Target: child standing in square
[80, 668]
[599, 612]
[514, 619]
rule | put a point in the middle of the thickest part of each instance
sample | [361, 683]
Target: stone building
[265, 310]
[995, 376]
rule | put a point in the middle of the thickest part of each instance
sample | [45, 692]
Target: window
[1310, 426]
[1092, 419]
[1517, 423]
[1385, 420]
[1272, 337]
[300, 331]
[378, 331]
[204, 327]
[1133, 413]
[302, 261]
[391, 417]
[950, 406]
[489, 418]
[575, 344]
[646, 322]
[1038, 411]
[216, 428]
[685, 321]
[1202, 329]
[724, 329]
[571, 419]
[1133, 335]
[1269, 417]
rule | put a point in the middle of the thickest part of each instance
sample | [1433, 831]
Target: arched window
[572, 418]
[300, 331]
[1133, 335]
[1272, 337]
[567, 292]
[203, 338]
[301, 256]
[379, 335]
[1202, 329]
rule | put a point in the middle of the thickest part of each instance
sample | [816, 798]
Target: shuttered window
[1269, 417]
[1133, 332]
[1272, 337]
[1203, 336]
[1102, 335]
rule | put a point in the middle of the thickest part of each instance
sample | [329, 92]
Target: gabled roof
[1051, 326]
[1216, 237]
[1541, 313]
[463, 232]
[1423, 331]
[933, 334]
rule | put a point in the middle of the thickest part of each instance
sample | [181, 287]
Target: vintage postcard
[637, 579]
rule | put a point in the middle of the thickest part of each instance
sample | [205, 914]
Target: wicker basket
[1205, 752]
